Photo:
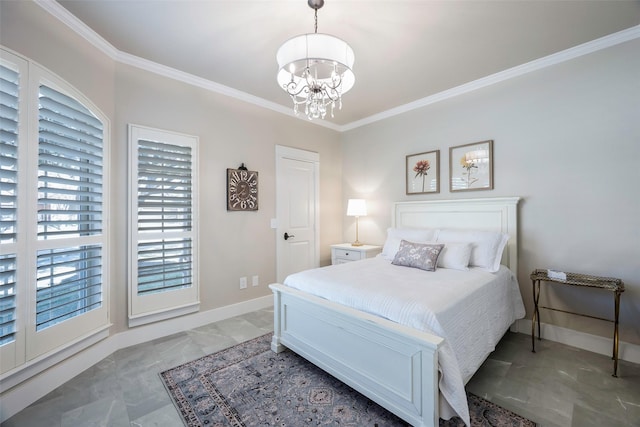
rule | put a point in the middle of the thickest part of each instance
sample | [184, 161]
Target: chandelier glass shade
[315, 70]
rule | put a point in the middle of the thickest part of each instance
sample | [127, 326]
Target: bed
[407, 367]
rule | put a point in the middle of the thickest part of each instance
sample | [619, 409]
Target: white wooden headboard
[490, 214]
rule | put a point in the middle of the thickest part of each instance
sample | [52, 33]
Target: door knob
[287, 236]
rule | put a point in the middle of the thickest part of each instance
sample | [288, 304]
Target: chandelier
[315, 70]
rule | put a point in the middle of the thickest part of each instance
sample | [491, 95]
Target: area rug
[249, 385]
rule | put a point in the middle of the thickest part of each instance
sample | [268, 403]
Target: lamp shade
[357, 207]
[315, 69]
[326, 55]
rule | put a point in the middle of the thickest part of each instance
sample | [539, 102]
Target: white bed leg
[276, 345]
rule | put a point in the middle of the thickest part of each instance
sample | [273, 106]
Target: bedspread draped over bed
[470, 309]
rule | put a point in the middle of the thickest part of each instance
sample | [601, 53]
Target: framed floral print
[423, 172]
[242, 189]
[471, 167]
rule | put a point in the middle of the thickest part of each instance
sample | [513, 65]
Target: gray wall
[233, 244]
[566, 140]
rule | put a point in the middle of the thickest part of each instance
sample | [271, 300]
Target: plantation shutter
[70, 168]
[9, 91]
[7, 298]
[164, 214]
[163, 232]
[54, 195]
[70, 182]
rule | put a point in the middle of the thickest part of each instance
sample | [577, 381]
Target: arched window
[54, 200]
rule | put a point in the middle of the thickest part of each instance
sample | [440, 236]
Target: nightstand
[344, 252]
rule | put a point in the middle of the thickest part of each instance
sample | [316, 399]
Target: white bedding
[471, 310]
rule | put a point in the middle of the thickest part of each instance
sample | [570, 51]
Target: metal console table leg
[582, 281]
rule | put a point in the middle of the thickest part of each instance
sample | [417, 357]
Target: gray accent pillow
[418, 255]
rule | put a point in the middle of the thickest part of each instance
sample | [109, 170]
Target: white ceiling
[405, 50]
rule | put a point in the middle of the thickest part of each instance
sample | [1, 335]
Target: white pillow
[455, 255]
[395, 235]
[486, 246]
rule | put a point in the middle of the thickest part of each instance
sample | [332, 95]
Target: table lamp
[357, 208]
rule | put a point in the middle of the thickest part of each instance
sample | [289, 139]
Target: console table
[582, 280]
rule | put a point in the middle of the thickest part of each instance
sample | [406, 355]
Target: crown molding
[84, 31]
[181, 76]
[66, 17]
[537, 64]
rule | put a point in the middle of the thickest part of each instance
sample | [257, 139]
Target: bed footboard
[393, 365]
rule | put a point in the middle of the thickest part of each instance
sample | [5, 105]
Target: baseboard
[29, 391]
[595, 343]
[46, 379]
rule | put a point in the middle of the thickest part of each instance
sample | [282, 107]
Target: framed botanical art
[471, 167]
[242, 189]
[423, 172]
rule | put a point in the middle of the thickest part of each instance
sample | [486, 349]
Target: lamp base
[357, 243]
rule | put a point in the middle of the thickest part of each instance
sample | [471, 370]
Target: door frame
[290, 153]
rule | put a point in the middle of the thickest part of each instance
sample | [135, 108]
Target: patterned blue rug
[249, 385]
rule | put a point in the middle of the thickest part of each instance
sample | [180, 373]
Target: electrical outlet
[243, 283]
[255, 281]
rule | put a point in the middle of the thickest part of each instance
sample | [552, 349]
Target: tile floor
[557, 386]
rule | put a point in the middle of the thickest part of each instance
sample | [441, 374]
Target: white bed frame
[393, 365]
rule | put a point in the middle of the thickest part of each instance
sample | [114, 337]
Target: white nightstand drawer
[345, 252]
[348, 254]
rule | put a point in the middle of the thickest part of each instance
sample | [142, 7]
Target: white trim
[33, 367]
[47, 374]
[92, 37]
[585, 341]
[82, 29]
[158, 330]
[164, 314]
[529, 67]
[161, 305]
[184, 77]
[284, 152]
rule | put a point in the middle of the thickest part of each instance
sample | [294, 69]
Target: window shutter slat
[51, 99]
[63, 164]
[164, 265]
[164, 205]
[71, 152]
[7, 298]
[69, 283]
[69, 168]
[95, 184]
[164, 187]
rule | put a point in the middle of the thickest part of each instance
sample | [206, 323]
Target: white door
[297, 199]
